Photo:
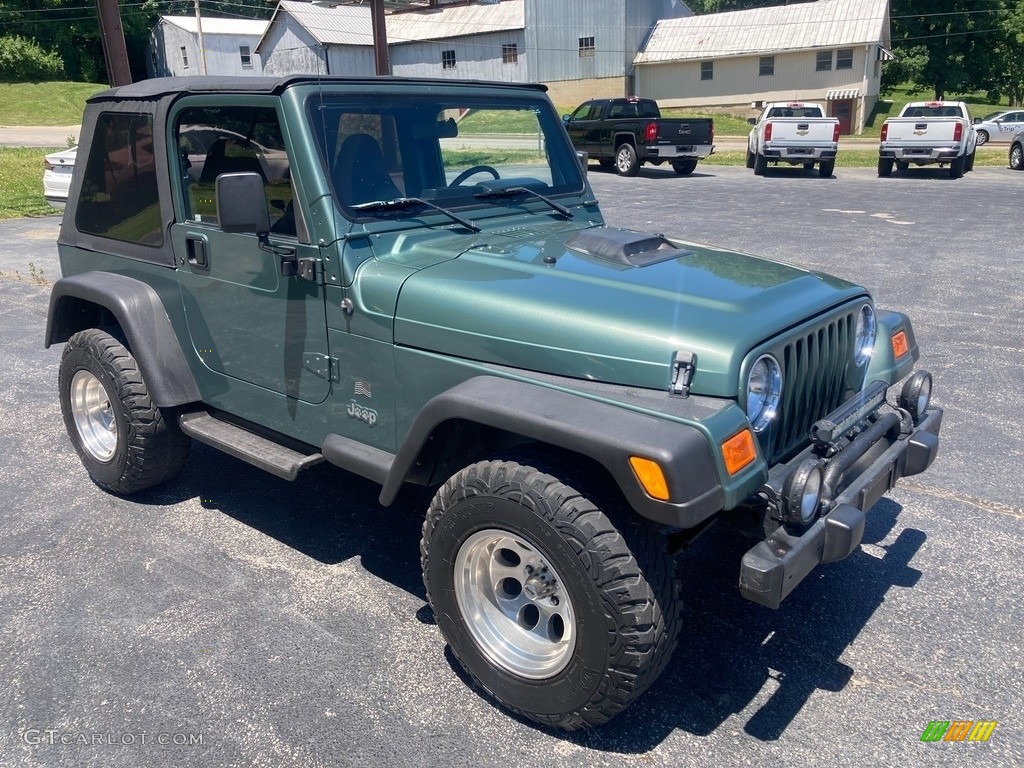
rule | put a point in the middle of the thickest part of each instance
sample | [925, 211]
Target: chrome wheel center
[93, 416]
[514, 604]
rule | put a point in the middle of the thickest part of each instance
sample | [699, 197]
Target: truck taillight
[767, 131]
[835, 132]
[958, 131]
[651, 132]
[885, 131]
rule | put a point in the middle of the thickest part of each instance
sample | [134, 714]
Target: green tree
[945, 46]
[70, 28]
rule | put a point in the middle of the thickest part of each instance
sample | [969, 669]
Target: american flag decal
[363, 388]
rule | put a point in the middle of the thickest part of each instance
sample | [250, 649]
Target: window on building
[184, 58]
[707, 70]
[119, 196]
[509, 53]
[824, 61]
[587, 47]
[844, 58]
[447, 59]
[246, 56]
[766, 66]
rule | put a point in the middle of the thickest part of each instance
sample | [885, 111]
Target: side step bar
[251, 448]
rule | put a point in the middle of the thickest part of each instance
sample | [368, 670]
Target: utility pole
[202, 45]
[112, 35]
[380, 37]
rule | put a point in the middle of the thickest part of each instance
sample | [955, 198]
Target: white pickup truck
[929, 132]
[796, 133]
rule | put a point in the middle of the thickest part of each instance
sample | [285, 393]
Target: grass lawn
[57, 103]
[21, 182]
[891, 105]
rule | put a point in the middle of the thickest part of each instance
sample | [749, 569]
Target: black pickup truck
[626, 133]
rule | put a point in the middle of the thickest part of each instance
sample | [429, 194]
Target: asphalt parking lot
[234, 619]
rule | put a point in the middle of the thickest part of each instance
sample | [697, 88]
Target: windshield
[440, 149]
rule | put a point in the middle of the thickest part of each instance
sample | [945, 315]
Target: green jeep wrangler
[318, 269]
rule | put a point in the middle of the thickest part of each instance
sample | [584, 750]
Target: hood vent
[624, 246]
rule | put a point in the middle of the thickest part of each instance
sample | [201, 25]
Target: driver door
[249, 323]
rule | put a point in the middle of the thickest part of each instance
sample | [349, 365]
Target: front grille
[815, 365]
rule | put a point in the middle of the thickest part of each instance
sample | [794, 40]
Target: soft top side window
[120, 198]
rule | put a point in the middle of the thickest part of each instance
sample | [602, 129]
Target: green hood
[543, 306]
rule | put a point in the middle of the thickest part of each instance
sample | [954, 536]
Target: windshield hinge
[324, 366]
[683, 366]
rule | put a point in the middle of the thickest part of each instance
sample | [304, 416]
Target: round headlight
[764, 388]
[864, 341]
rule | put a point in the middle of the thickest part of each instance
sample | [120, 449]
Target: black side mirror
[751, 121]
[242, 203]
[566, 118]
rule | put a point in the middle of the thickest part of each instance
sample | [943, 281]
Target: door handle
[196, 249]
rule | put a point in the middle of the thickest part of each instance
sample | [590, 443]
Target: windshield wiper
[510, 191]
[407, 202]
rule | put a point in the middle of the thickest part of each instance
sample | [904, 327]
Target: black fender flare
[603, 432]
[141, 315]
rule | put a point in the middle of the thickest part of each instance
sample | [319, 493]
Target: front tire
[126, 443]
[553, 610]
[626, 161]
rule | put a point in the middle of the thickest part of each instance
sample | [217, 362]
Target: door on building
[843, 110]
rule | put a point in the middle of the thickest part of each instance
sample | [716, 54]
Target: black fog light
[802, 492]
[916, 395]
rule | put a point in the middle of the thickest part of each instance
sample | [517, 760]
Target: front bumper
[858, 474]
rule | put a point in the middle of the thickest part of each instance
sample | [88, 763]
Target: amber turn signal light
[738, 451]
[900, 347]
[650, 476]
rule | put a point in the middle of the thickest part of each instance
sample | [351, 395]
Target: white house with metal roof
[581, 50]
[229, 47]
[828, 50]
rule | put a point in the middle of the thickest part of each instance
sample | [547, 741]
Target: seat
[360, 173]
[218, 162]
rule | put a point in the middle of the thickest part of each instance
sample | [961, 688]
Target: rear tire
[969, 165]
[760, 164]
[626, 161]
[956, 168]
[684, 167]
[1017, 156]
[554, 611]
[126, 443]
[885, 166]
[982, 137]
[825, 168]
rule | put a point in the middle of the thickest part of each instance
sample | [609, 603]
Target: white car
[999, 126]
[57, 176]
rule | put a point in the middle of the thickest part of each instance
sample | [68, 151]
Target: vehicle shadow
[328, 514]
[730, 650]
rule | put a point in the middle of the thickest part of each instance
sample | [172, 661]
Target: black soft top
[147, 90]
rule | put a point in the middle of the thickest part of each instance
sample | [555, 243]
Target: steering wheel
[470, 171]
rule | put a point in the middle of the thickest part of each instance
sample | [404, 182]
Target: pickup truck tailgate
[684, 132]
